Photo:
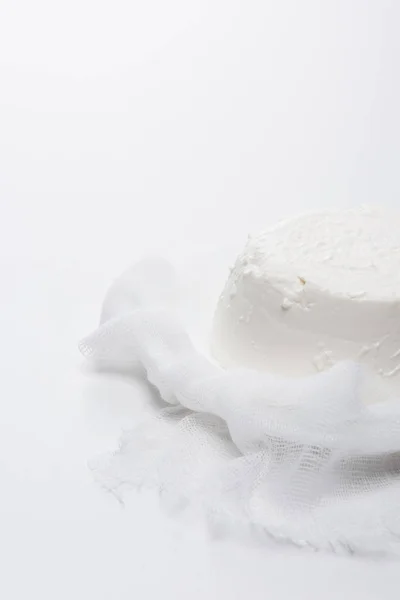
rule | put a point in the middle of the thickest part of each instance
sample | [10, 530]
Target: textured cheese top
[313, 291]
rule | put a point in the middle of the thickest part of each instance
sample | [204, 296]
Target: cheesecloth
[301, 460]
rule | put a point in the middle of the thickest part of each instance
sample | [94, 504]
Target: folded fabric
[303, 460]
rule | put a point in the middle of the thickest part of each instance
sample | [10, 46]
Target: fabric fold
[302, 459]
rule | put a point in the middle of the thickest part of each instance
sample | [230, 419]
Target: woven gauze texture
[303, 460]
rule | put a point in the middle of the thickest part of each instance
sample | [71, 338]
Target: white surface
[312, 291]
[130, 126]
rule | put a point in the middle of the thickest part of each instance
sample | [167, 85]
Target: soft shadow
[118, 396]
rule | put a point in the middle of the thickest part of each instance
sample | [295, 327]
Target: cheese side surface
[313, 291]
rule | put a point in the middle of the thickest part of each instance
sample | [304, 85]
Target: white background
[173, 126]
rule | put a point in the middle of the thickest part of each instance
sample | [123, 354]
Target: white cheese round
[313, 291]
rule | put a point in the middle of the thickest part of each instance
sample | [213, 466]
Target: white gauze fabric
[303, 460]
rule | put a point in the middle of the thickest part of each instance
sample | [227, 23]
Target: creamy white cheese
[313, 291]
